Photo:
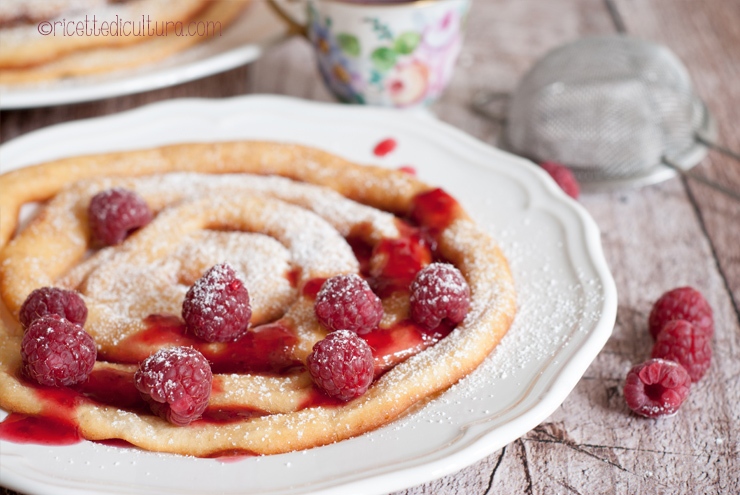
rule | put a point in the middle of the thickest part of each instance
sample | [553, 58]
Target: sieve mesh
[609, 107]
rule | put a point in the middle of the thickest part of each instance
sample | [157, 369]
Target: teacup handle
[295, 26]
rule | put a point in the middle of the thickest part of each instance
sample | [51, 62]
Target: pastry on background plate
[42, 41]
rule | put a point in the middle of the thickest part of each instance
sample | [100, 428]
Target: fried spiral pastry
[287, 217]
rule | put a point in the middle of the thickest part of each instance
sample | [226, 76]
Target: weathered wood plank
[706, 37]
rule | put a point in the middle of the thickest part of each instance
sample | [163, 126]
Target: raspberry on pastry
[56, 352]
[346, 302]
[114, 213]
[341, 365]
[176, 383]
[439, 292]
[216, 307]
[53, 301]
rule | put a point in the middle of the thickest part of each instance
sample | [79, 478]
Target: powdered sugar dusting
[145, 276]
[341, 213]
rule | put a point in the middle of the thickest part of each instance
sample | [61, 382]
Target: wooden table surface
[657, 238]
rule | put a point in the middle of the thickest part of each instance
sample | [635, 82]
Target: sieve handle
[482, 102]
[716, 147]
[698, 178]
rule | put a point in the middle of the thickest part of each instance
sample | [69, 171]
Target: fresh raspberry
[114, 213]
[683, 303]
[346, 302]
[342, 365]
[176, 383]
[439, 292]
[56, 352]
[656, 387]
[682, 342]
[563, 177]
[53, 301]
[216, 308]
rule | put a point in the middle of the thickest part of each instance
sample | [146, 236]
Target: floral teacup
[393, 53]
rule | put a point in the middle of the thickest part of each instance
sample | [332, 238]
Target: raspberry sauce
[317, 398]
[312, 287]
[229, 415]
[54, 426]
[394, 345]
[434, 209]
[265, 349]
[42, 430]
[384, 147]
[115, 388]
[396, 262]
[293, 276]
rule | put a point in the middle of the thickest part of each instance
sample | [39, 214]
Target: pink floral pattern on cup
[400, 56]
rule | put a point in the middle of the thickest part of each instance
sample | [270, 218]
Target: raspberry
[683, 303]
[682, 342]
[656, 387]
[176, 383]
[216, 308]
[114, 213]
[564, 177]
[56, 352]
[346, 302]
[439, 292]
[342, 365]
[52, 300]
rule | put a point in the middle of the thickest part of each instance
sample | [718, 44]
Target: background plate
[567, 306]
[242, 42]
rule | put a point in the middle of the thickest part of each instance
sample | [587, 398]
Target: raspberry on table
[56, 352]
[563, 177]
[346, 302]
[682, 303]
[176, 383]
[656, 388]
[439, 292]
[114, 213]
[52, 300]
[342, 365]
[682, 342]
[216, 308]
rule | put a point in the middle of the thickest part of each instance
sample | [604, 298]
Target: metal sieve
[618, 111]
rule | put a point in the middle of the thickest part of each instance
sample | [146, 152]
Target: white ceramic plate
[242, 42]
[567, 304]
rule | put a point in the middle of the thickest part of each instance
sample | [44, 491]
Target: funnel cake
[286, 217]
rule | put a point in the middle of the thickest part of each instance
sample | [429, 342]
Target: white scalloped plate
[567, 302]
[253, 32]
